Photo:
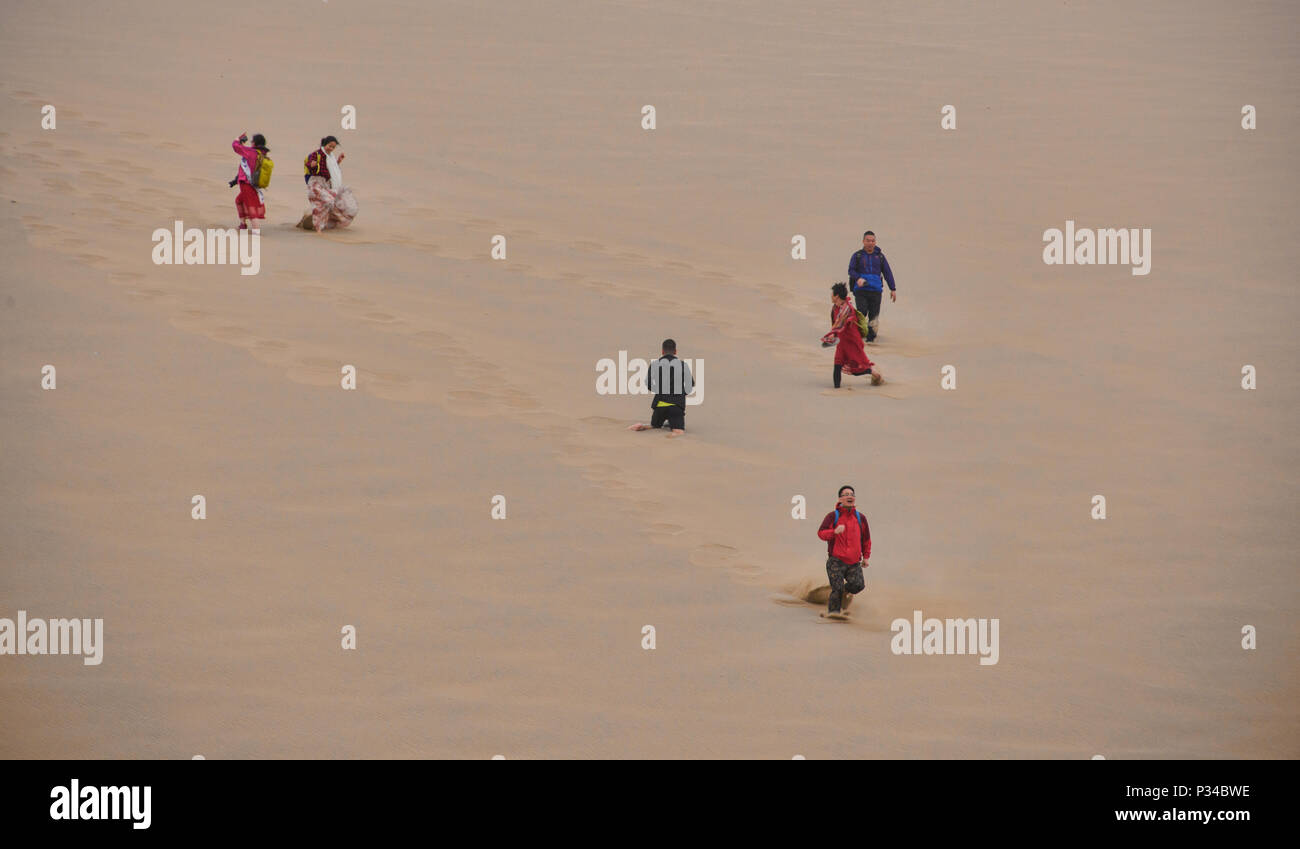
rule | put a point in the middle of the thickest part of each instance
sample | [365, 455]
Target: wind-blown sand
[522, 637]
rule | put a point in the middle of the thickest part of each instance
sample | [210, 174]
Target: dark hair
[259, 140]
[327, 140]
[840, 493]
[841, 289]
[868, 233]
[669, 346]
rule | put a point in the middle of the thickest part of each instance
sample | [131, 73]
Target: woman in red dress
[250, 204]
[849, 352]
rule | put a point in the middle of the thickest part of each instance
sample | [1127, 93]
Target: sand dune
[475, 378]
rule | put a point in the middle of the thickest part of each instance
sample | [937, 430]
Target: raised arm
[826, 532]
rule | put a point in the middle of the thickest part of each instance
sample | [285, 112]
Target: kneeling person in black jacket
[670, 381]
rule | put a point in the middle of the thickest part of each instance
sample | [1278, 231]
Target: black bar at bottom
[333, 798]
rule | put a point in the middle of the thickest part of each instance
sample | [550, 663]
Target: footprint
[229, 333]
[744, 570]
[521, 402]
[713, 555]
[469, 402]
[395, 378]
[391, 385]
[320, 363]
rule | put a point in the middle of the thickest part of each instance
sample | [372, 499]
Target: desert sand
[523, 637]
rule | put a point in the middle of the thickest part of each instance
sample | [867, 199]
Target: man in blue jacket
[866, 268]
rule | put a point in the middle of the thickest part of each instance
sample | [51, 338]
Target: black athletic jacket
[670, 381]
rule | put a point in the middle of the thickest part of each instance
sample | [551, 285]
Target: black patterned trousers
[843, 577]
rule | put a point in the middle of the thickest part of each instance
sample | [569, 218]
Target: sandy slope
[477, 377]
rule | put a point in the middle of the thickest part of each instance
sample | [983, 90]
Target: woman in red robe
[850, 353]
[249, 204]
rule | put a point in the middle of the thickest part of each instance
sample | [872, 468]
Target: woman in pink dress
[849, 352]
[249, 204]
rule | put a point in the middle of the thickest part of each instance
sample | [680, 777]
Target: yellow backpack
[864, 326]
[262, 178]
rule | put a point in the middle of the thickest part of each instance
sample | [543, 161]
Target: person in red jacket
[848, 545]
